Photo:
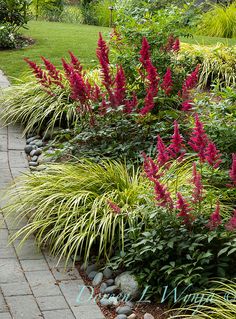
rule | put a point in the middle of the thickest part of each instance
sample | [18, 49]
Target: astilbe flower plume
[103, 107]
[75, 62]
[116, 209]
[215, 218]
[199, 139]
[68, 69]
[148, 103]
[78, 88]
[212, 155]
[232, 172]
[162, 156]
[53, 72]
[176, 147]
[120, 87]
[198, 187]
[190, 82]
[167, 83]
[131, 105]
[163, 196]
[144, 53]
[176, 45]
[184, 208]
[231, 224]
[151, 169]
[170, 43]
[39, 73]
[103, 57]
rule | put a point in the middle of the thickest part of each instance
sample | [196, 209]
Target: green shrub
[71, 14]
[14, 13]
[79, 209]
[220, 21]
[8, 38]
[47, 9]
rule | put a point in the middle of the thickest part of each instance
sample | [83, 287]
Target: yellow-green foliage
[221, 303]
[220, 21]
[217, 63]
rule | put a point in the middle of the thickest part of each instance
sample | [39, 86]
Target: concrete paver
[33, 284]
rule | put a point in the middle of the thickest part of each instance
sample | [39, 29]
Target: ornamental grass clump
[82, 208]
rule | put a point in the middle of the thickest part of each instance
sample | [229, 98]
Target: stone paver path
[32, 284]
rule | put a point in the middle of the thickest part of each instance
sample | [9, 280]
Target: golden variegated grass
[35, 109]
[218, 302]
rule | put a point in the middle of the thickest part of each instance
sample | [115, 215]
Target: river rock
[124, 310]
[31, 139]
[111, 289]
[128, 284]
[132, 316]
[148, 316]
[107, 272]
[90, 268]
[34, 158]
[106, 302]
[92, 274]
[103, 287]
[97, 279]
[28, 149]
[121, 317]
[110, 282]
[33, 164]
[39, 143]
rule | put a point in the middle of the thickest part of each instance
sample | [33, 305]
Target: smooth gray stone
[33, 164]
[34, 158]
[90, 268]
[103, 287]
[107, 272]
[28, 149]
[124, 310]
[110, 282]
[121, 317]
[111, 289]
[106, 302]
[31, 139]
[39, 143]
[97, 279]
[92, 274]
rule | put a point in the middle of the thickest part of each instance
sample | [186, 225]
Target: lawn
[53, 40]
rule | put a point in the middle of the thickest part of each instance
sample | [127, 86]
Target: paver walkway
[32, 285]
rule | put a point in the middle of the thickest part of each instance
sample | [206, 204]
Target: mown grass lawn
[53, 40]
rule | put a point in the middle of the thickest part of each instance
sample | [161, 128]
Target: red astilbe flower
[78, 88]
[120, 87]
[199, 139]
[102, 110]
[148, 103]
[176, 45]
[176, 147]
[167, 83]
[151, 169]
[212, 155]
[116, 209]
[232, 172]
[95, 93]
[75, 62]
[103, 57]
[131, 105]
[231, 224]
[153, 78]
[162, 156]
[198, 187]
[163, 197]
[144, 53]
[190, 82]
[67, 68]
[183, 206]
[170, 43]
[39, 73]
[215, 218]
[53, 72]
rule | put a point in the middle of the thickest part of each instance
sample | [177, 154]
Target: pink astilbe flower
[131, 105]
[55, 74]
[184, 208]
[232, 172]
[215, 218]
[231, 224]
[167, 83]
[170, 43]
[163, 197]
[148, 104]
[75, 62]
[151, 169]
[212, 155]
[176, 45]
[199, 139]
[95, 93]
[120, 87]
[176, 147]
[116, 209]
[190, 82]
[39, 73]
[153, 78]
[144, 53]
[198, 187]
[162, 156]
